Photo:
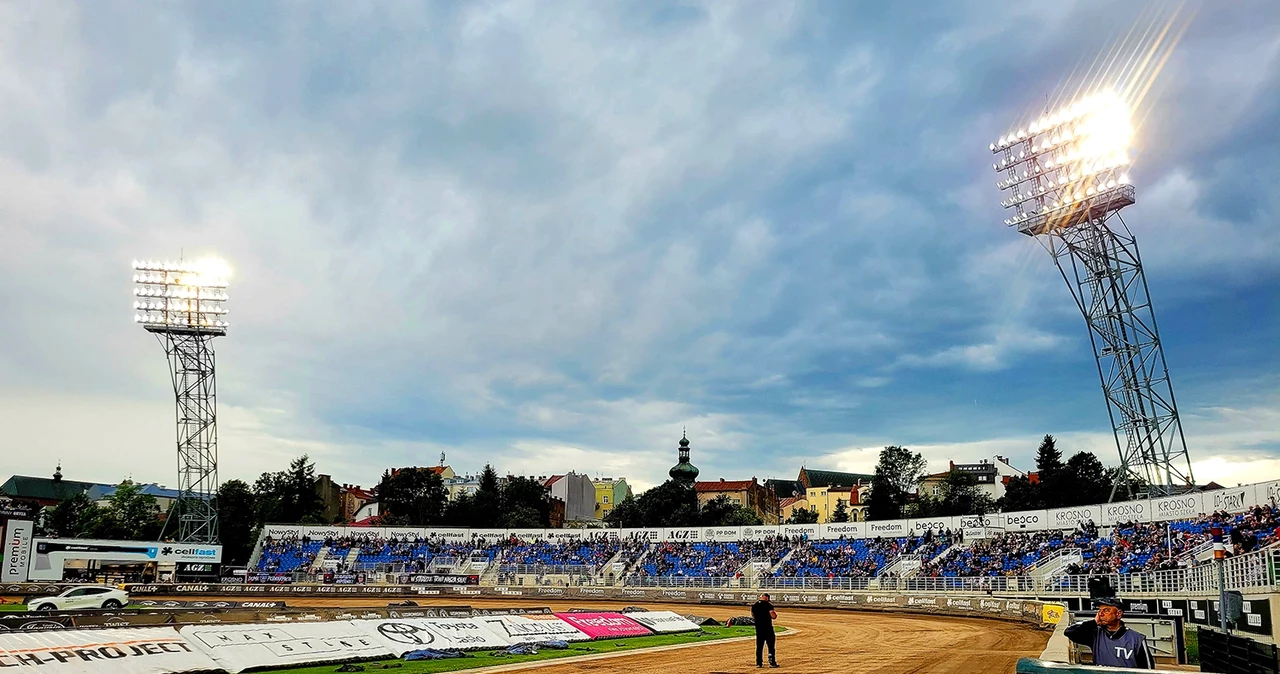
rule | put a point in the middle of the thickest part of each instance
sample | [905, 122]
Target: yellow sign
[1050, 614]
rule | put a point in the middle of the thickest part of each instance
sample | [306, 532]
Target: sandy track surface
[825, 641]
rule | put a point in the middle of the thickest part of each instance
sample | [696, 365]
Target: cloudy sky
[550, 234]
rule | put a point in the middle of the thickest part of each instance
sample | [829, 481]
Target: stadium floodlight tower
[1065, 180]
[184, 305]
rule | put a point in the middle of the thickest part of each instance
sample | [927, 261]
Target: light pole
[184, 305]
[1065, 177]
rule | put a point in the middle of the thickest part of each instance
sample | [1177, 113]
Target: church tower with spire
[684, 471]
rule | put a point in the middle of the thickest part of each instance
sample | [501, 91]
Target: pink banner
[605, 625]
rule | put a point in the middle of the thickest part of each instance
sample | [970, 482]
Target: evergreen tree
[411, 497]
[626, 514]
[1050, 467]
[66, 519]
[841, 513]
[1085, 480]
[236, 522]
[723, 512]
[523, 502]
[1020, 494]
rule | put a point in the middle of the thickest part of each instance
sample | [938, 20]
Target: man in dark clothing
[764, 615]
[1113, 644]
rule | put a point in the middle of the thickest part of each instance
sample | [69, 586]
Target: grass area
[486, 659]
[1192, 638]
[13, 608]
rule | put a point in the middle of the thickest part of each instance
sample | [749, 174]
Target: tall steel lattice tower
[183, 305]
[1065, 179]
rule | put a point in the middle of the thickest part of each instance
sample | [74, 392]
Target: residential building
[353, 498]
[991, 476]
[790, 504]
[577, 492]
[825, 501]
[609, 493]
[747, 493]
[785, 488]
[459, 485]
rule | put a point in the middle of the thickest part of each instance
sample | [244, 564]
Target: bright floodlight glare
[1067, 164]
[182, 296]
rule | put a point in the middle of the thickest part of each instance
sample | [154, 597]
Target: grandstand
[1014, 550]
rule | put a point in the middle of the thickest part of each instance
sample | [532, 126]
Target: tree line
[1081, 480]
[675, 504]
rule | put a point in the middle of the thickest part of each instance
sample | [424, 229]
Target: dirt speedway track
[826, 641]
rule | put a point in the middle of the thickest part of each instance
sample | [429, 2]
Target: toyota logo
[404, 633]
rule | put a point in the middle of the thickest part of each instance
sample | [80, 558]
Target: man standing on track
[1113, 644]
[764, 615]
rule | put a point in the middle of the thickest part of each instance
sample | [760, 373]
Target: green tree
[136, 515]
[897, 473]
[626, 514]
[460, 511]
[289, 496]
[411, 497]
[841, 513]
[1085, 480]
[1052, 488]
[65, 519]
[487, 504]
[670, 504]
[1020, 494]
[960, 495]
[236, 522]
[723, 512]
[523, 502]
[802, 516]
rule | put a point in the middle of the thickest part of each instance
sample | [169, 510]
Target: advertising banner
[1070, 518]
[650, 535]
[1125, 512]
[564, 535]
[682, 534]
[888, 528]
[238, 647]
[731, 534]
[1232, 500]
[1267, 493]
[492, 535]
[14, 509]
[798, 530]
[1185, 506]
[605, 625]
[127, 651]
[935, 524]
[439, 579]
[988, 521]
[51, 553]
[663, 621]
[1026, 520]
[402, 635]
[17, 551]
[759, 533]
[456, 535]
[838, 530]
[521, 628]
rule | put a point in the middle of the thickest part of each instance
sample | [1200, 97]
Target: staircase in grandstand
[904, 566]
[352, 555]
[317, 565]
[1054, 564]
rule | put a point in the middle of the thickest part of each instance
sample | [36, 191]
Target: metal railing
[684, 581]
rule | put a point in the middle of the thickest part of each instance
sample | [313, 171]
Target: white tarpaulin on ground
[518, 628]
[153, 650]
[663, 621]
[402, 635]
[239, 647]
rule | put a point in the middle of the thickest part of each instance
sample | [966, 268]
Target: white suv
[81, 597]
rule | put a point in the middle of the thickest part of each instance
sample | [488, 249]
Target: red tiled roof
[786, 502]
[552, 480]
[722, 485]
[362, 494]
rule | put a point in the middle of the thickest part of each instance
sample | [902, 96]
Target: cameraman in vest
[1113, 644]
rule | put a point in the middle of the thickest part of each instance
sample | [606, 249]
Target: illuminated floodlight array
[181, 296]
[1066, 163]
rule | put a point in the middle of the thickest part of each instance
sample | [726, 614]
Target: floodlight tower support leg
[191, 365]
[1099, 260]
